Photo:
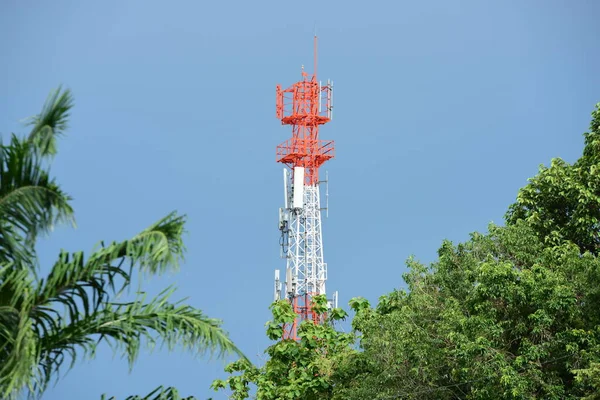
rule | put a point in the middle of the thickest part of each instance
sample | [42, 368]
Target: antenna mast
[300, 106]
[315, 55]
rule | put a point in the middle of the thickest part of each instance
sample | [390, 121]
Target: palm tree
[47, 321]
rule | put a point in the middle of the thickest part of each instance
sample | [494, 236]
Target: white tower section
[305, 251]
[302, 240]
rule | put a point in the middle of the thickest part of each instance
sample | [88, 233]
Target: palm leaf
[156, 249]
[153, 250]
[13, 248]
[30, 201]
[70, 312]
[51, 122]
[18, 342]
[126, 327]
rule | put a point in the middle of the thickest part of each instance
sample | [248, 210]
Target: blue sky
[443, 110]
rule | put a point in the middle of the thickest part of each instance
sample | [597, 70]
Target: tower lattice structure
[306, 105]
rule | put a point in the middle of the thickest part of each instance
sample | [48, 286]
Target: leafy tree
[509, 314]
[562, 202]
[295, 370]
[48, 320]
[500, 316]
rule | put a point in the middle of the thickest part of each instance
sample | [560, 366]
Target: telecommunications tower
[306, 105]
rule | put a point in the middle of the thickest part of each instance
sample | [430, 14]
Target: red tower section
[305, 106]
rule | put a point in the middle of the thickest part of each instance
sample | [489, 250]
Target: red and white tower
[306, 105]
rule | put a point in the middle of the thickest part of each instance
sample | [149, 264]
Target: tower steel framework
[306, 105]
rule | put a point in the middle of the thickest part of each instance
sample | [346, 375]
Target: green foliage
[510, 314]
[562, 202]
[589, 377]
[51, 122]
[500, 316]
[30, 201]
[47, 321]
[295, 370]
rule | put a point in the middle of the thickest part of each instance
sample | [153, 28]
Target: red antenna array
[306, 105]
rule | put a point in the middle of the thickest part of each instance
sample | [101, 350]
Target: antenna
[331, 105]
[326, 182]
[285, 188]
[288, 281]
[329, 99]
[327, 194]
[315, 55]
[298, 199]
[320, 97]
[335, 299]
[277, 288]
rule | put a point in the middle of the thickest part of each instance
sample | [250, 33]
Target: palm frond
[156, 249]
[51, 122]
[126, 327]
[83, 289]
[160, 393]
[73, 280]
[80, 289]
[18, 343]
[31, 203]
[13, 248]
